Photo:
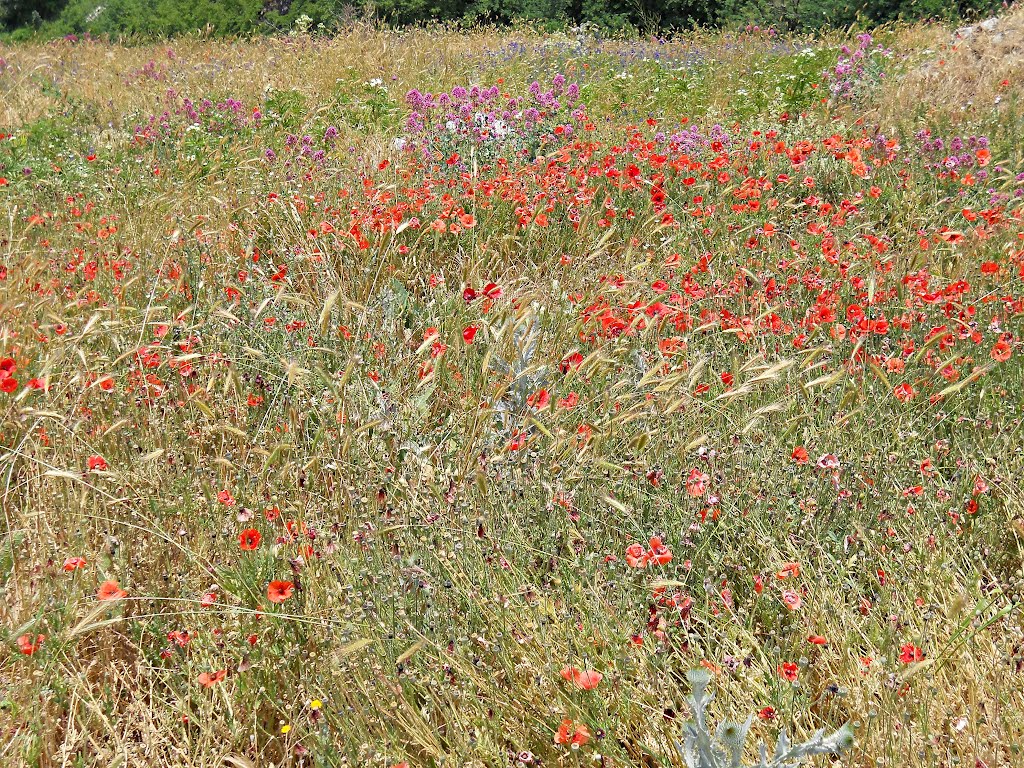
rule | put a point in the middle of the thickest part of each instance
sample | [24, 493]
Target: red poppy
[210, 679]
[225, 498]
[1001, 352]
[571, 363]
[799, 455]
[696, 483]
[789, 671]
[767, 714]
[636, 556]
[573, 734]
[27, 645]
[179, 638]
[279, 591]
[249, 539]
[787, 570]
[539, 399]
[109, 590]
[910, 653]
[74, 563]
[97, 464]
[904, 392]
[469, 333]
[817, 640]
[585, 679]
[658, 553]
[569, 402]
[208, 599]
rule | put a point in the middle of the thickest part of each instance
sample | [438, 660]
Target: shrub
[724, 748]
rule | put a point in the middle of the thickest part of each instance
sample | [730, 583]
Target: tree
[22, 13]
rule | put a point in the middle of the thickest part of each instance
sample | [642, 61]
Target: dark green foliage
[147, 18]
[21, 13]
[816, 14]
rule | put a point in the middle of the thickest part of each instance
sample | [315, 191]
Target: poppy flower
[109, 590]
[696, 483]
[97, 464]
[74, 563]
[573, 734]
[584, 679]
[799, 455]
[910, 653]
[210, 679]
[469, 333]
[767, 714]
[279, 591]
[904, 392]
[569, 402]
[827, 461]
[636, 556]
[181, 639]
[539, 399]
[817, 640]
[571, 363]
[249, 539]
[1001, 352]
[658, 553]
[791, 599]
[27, 645]
[208, 599]
[789, 671]
[787, 570]
[225, 498]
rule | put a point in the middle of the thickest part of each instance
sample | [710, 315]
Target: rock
[988, 25]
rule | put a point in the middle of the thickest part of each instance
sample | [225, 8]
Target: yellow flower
[285, 728]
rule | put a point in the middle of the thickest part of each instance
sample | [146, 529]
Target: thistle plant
[724, 748]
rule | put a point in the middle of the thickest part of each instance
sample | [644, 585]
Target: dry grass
[449, 576]
[965, 74]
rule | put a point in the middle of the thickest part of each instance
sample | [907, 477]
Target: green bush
[148, 18]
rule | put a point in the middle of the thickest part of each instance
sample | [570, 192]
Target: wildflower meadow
[498, 397]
